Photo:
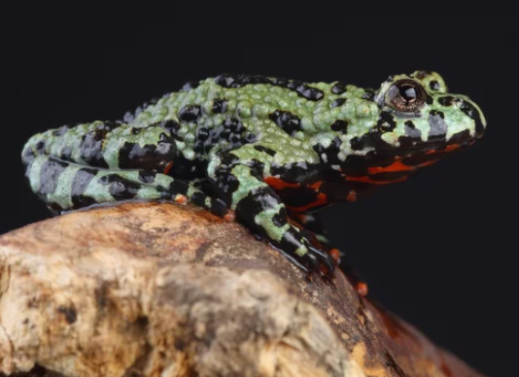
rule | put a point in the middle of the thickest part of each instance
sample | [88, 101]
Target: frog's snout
[463, 116]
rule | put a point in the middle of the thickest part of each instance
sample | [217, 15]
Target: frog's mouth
[396, 163]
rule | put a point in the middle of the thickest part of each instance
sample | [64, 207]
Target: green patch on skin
[265, 220]
[62, 195]
[34, 172]
[247, 184]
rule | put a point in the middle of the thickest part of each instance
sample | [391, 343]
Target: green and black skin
[267, 151]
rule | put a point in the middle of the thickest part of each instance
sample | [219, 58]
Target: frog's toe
[319, 259]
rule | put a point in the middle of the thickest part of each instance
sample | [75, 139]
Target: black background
[439, 250]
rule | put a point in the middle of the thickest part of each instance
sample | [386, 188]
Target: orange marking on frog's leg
[316, 185]
[452, 147]
[322, 199]
[362, 288]
[428, 163]
[230, 216]
[352, 196]
[278, 184]
[181, 199]
[394, 167]
[168, 168]
[335, 254]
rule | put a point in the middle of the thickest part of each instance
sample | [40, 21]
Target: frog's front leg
[239, 179]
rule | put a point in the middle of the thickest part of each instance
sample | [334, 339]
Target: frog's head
[416, 123]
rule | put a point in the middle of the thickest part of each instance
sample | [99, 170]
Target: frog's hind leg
[66, 186]
[107, 145]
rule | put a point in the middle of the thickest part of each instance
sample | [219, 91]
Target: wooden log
[155, 289]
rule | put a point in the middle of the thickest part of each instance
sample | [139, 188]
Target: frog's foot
[304, 254]
[240, 183]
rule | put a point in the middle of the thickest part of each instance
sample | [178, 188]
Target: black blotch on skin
[306, 91]
[40, 147]
[437, 126]
[287, 121]
[146, 176]
[236, 81]
[66, 154]
[338, 88]
[69, 313]
[266, 150]
[80, 183]
[137, 130]
[251, 137]
[198, 198]
[434, 85]
[187, 169]
[149, 157]
[446, 101]
[218, 207]
[299, 172]
[120, 188]
[219, 106]
[178, 186]
[171, 127]
[50, 173]
[28, 154]
[225, 183]
[280, 219]
[202, 133]
[460, 137]
[331, 152]
[473, 113]
[231, 131]
[298, 196]
[370, 139]
[386, 122]
[429, 100]
[411, 131]
[354, 165]
[91, 148]
[190, 113]
[340, 126]
[254, 203]
[256, 169]
[338, 102]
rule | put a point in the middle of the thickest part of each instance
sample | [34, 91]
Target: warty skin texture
[266, 151]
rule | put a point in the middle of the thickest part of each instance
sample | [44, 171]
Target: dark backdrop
[439, 249]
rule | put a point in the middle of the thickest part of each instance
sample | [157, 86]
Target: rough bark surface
[162, 290]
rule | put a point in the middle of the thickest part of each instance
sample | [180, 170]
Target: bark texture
[162, 290]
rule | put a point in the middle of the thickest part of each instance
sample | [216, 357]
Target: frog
[267, 152]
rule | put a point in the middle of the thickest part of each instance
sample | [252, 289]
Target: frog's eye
[406, 96]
